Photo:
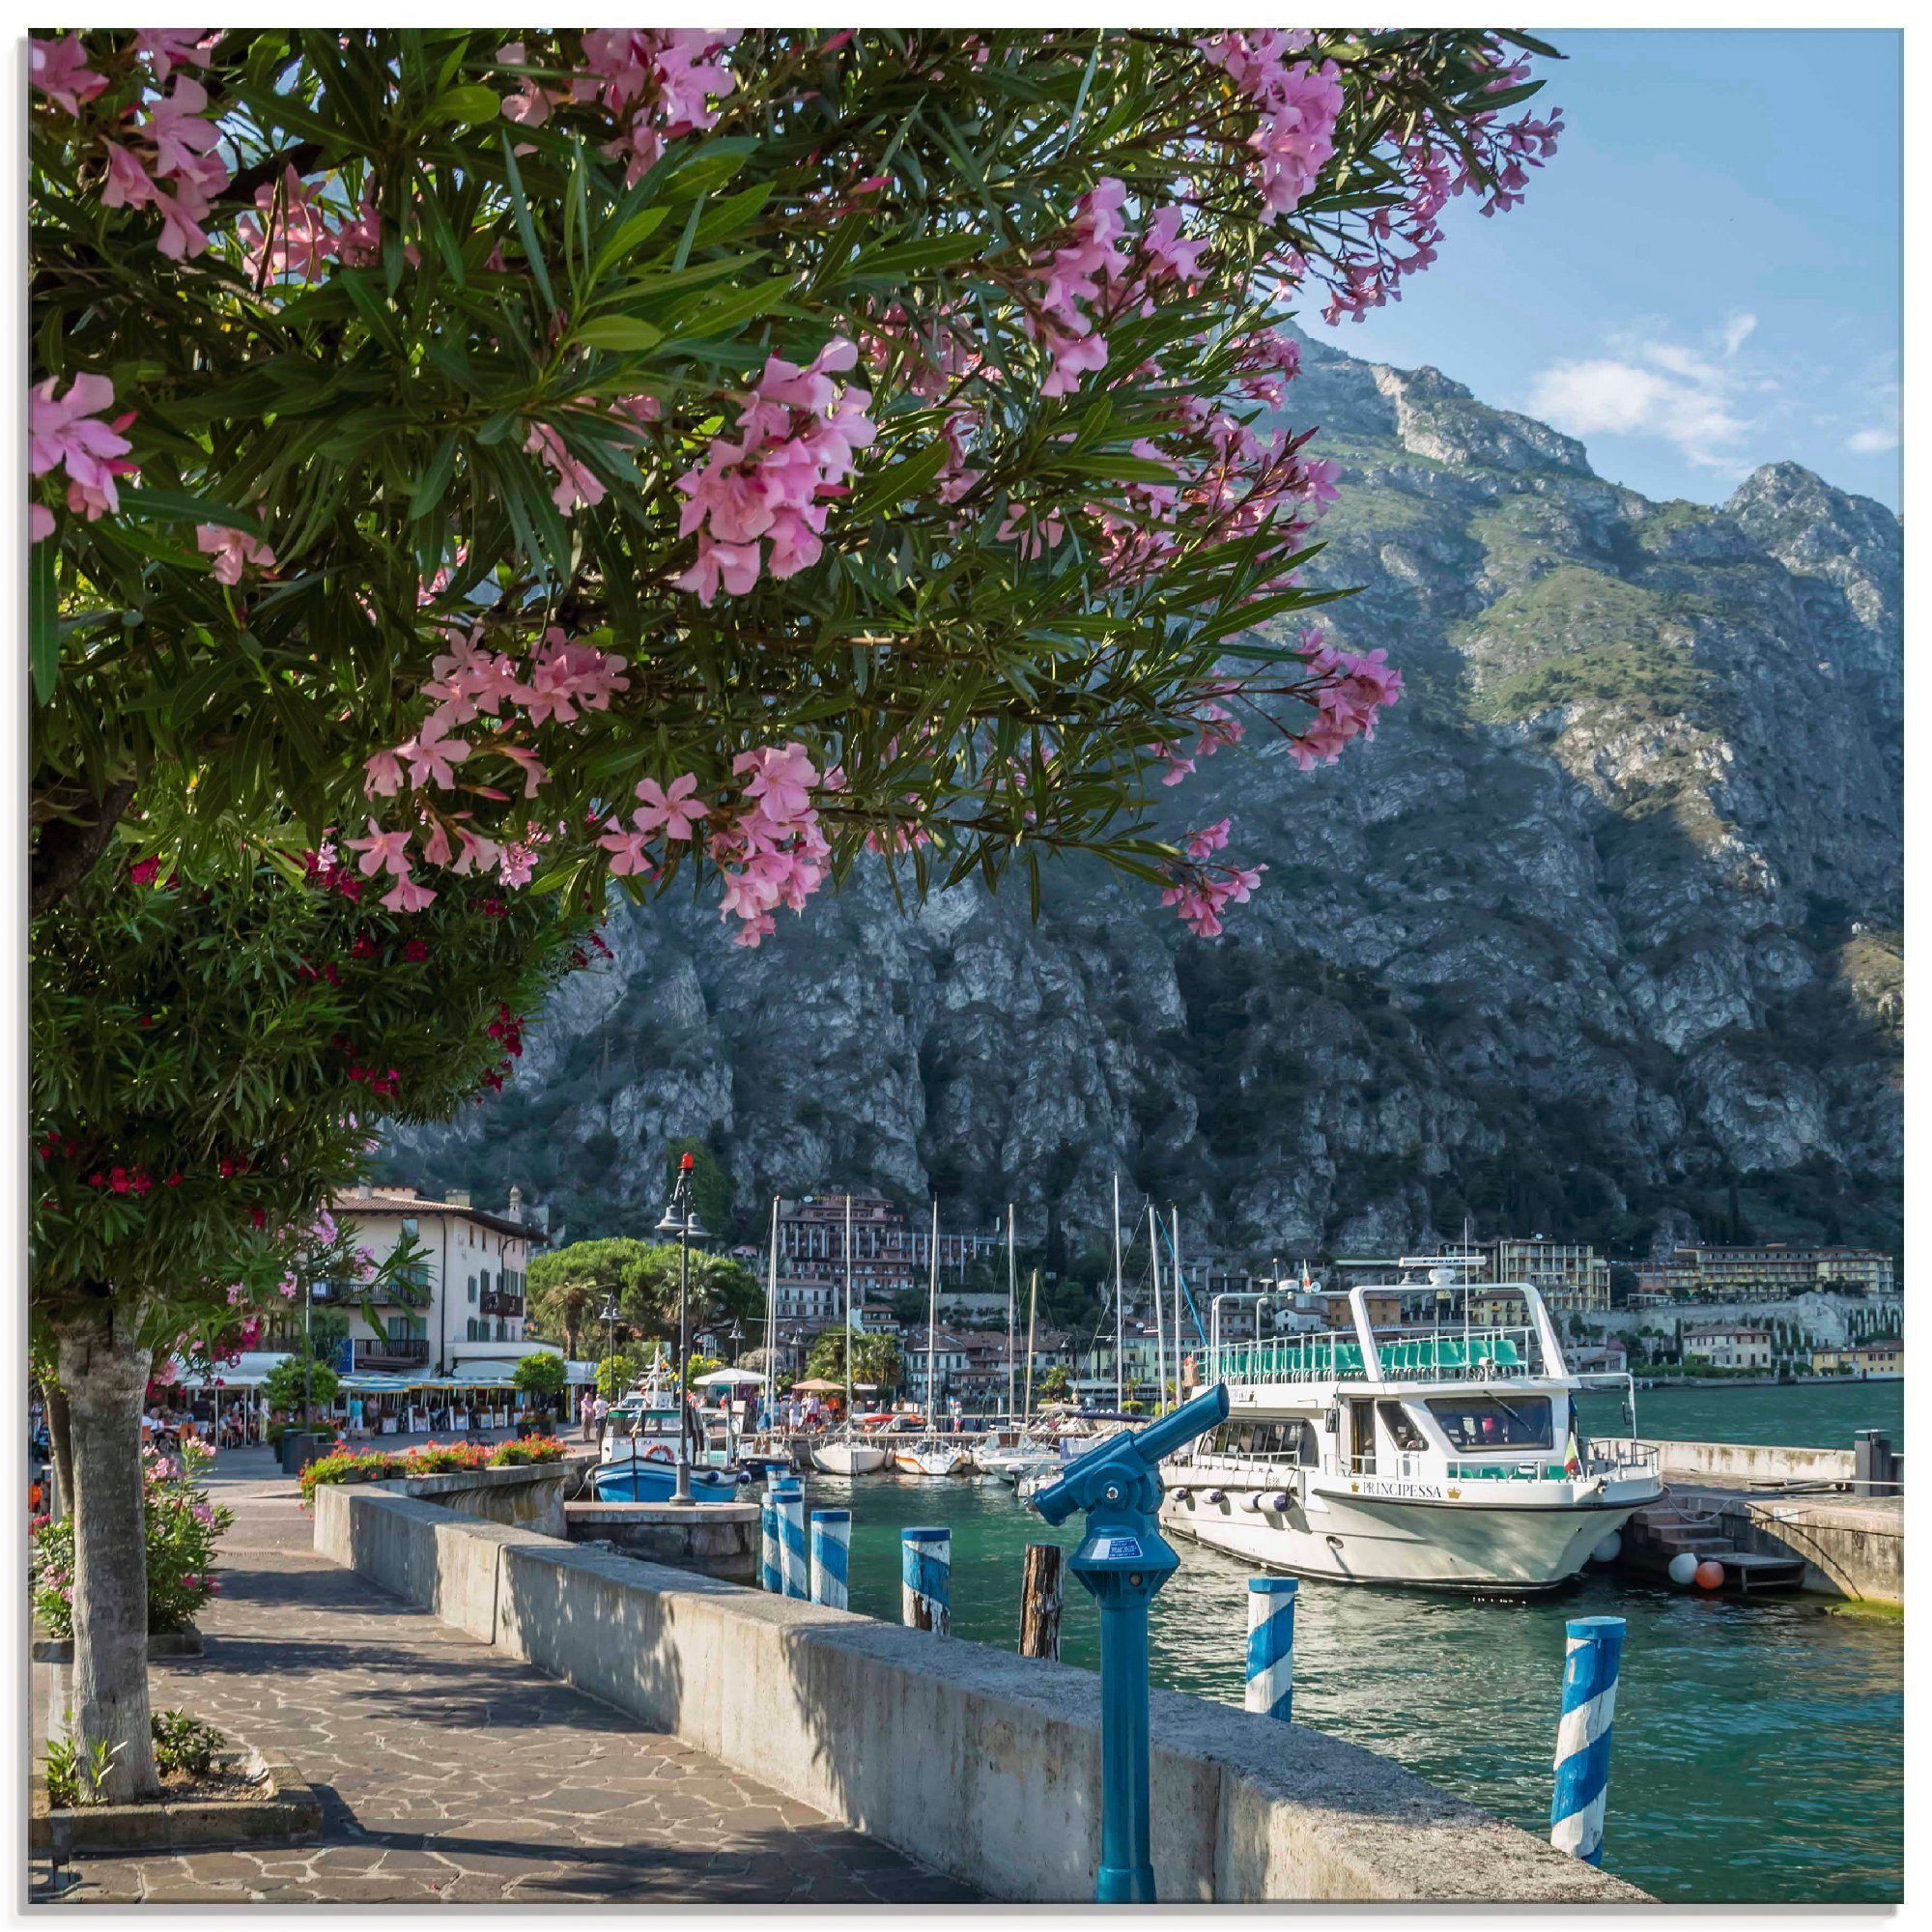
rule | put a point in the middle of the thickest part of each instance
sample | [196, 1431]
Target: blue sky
[1704, 278]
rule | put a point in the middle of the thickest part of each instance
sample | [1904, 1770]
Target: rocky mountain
[1602, 934]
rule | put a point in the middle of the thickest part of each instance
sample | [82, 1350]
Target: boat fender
[1215, 1497]
[1277, 1502]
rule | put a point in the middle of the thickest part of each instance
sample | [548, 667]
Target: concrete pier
[711, 1539]
[1852, 1548]
[979, 1763]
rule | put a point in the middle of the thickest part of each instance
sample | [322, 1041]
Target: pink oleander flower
[407, 895]
[576, 483]
[59, 69]
[1170, 253]
[780, 779]
[673, 811]
[799, 437]
[381, 851]
[627, 850]
[234, 552]
[430, 755]
[166, 47]
[382, 775]
[733, 568]
[62, 433]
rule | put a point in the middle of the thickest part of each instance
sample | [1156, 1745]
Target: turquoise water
[1811, 1415]
[1758, 1751]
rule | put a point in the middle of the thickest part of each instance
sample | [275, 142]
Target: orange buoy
[1710, 1575]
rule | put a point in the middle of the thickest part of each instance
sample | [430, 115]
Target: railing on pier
[1479, 1354]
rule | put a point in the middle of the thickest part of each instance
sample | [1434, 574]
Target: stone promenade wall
[983, 1764]
[1741, 1462]
[529, 1494]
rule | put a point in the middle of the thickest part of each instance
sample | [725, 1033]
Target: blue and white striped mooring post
[925, 1580]
[830, 1556]
[1596, 1647]
[1271, 1646]
[789, 1501]
[771, 1574]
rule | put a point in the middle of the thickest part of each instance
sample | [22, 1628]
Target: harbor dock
[452, 1771]
[1778, 1517]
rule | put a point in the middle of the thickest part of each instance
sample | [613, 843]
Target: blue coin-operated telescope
[1123, 1560]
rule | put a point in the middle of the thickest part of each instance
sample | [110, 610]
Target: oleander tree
[635, 452]
[207, 1064]
[510, 463]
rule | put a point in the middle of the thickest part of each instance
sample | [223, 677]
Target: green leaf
[435, 479]
[709, 315]
[628, 239]
[43, 618]
[525, 231]
[474, 106]
[167, 506]
[617, 331]
[936, 251]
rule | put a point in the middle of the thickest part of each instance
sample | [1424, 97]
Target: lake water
[1809, 1415]
[1758, 1742]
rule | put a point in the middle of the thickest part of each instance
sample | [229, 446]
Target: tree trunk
[104, 1370]
[60, 1439]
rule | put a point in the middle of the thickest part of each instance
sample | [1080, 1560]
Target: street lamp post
[608, 1314]
[680, 1219]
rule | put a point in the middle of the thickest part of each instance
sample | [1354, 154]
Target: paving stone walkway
[451, 1774]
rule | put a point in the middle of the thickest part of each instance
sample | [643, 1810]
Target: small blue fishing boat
[638, 1461]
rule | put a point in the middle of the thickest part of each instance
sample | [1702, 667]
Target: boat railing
[1622, 1457]
[1475, 1354]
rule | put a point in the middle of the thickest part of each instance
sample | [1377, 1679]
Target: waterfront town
[879, 1058]
[458, 1318]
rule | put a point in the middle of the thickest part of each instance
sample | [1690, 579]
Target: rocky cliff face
[1601, 933]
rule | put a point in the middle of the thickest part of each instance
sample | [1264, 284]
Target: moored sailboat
[929, 1455]
[846, 1452]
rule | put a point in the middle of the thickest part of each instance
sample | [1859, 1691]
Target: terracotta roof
[380, 1200]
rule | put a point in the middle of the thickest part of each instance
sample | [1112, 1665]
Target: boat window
[1401, 1426]
[1493, 1423]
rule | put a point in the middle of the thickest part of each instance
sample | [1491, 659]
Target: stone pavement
[451, 1774]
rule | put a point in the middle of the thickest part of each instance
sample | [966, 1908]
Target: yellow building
[1867, 1359]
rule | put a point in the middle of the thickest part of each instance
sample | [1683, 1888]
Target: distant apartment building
[1729, 1347]
[891, 1252]
[1572, 1277]
[969, 1365]
[463, 1299]
[1674, 1278]
[1770, 1272]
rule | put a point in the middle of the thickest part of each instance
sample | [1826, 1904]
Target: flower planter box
[51, 1649]
[288, 1808]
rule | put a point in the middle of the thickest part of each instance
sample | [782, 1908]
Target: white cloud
[1872, 442]
[1649, 386]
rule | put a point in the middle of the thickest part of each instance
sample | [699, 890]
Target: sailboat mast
[1012, 1284]
[772, 1319]
[1175, 1256]
[1032, 1308]
[1120, 1310]
[932, 1327]
[848, 1311]
[1159, 1327]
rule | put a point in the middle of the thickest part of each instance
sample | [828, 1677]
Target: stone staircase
[1675, 1526]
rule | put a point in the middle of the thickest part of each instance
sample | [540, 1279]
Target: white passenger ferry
[1416, 1448]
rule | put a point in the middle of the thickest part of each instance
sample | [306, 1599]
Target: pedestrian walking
[586, 1409]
